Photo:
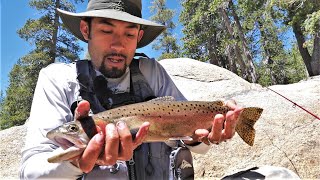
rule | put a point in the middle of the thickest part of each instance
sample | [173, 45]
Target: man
[113, 31]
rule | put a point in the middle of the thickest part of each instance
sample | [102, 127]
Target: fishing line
[295, 104]
[285, 154]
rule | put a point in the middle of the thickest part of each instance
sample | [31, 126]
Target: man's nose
[117, 43]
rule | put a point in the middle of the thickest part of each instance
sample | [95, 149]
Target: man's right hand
[112, 142]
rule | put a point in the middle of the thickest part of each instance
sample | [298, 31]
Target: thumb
[82, 110]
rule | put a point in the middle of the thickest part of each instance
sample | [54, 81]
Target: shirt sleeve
[50, 108]
[162, 85]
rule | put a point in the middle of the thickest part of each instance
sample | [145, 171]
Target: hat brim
[72, 22]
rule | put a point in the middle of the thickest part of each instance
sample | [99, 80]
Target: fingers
[111, 149]
[231, 104]
[230, 124]
[88, 159]
[223, 127]
[216, 134]
[82, 109]
[119, 144]
[126, 145]
[141, 134]
[231, 119]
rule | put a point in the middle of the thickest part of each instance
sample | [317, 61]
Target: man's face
[111, 44]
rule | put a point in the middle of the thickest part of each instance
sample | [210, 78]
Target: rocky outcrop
[285, 135]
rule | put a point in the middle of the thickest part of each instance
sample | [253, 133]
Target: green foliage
[166, 42]
[288, 70]
[303, 17]
[312, 22]
[266, 26]
[52, 43]
[200, 29]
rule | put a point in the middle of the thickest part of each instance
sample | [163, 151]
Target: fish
[169, 120]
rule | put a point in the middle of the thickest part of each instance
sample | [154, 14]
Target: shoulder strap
[85, 75]
[139, 85]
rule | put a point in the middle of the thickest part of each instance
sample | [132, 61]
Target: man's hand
[112, 142]
[223, 127]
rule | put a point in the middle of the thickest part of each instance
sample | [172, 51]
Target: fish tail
[246, 121]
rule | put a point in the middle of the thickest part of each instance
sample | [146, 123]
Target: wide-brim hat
[123, 10]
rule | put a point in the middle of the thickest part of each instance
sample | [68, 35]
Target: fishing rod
[295, 104]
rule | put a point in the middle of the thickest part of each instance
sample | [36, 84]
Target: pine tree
[241, 36]
[166, 41]
[211, 35]
[304, 17]
[52, 43]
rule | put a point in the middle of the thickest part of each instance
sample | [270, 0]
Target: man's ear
[85, 30]
[140, 35]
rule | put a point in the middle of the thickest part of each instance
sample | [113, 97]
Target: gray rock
[12, 140]
[286, 136]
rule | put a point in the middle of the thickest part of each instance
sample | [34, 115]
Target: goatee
[113, 72]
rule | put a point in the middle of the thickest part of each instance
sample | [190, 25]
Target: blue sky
[15, 13]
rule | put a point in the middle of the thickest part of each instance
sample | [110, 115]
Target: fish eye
[73, 128]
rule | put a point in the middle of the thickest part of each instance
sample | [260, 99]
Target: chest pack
[150, 160]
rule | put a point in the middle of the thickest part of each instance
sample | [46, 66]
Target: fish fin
[246, 121]
[185, 138]
[163, 98]
[65, 155]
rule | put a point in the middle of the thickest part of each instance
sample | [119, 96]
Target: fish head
[70, 134]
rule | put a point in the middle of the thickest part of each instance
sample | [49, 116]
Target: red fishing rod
[295, 104]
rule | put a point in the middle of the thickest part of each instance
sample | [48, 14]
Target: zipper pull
[131, 162]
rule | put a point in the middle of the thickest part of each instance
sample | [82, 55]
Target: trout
[169, 120]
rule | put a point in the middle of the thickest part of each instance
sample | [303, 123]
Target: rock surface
[285, 135]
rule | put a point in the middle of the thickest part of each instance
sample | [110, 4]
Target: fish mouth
[67, 141]
[64, 143]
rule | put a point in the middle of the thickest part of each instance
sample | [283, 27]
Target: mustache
[116, 55]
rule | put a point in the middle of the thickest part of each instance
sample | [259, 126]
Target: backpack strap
[88, 89]
[138, 83]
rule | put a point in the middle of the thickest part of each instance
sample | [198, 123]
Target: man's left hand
[223, 127]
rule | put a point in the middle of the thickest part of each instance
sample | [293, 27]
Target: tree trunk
[236, 47]
[303, 51]
[268, 60]
[315, 60]
[231, 55]
[212, 51]
[55, 33]
[252, 69]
